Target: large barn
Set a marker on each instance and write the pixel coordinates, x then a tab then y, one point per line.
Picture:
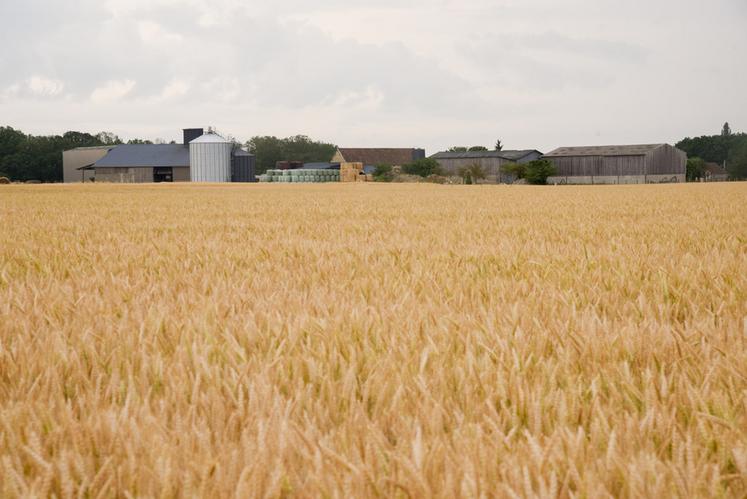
627	164
372	156
490	161
203	157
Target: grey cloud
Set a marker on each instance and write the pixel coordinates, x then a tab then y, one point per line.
536	69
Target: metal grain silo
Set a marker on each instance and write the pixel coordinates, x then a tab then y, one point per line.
210	159
242	166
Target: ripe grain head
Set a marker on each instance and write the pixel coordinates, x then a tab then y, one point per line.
359	340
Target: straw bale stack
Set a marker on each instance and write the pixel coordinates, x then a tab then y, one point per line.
350	172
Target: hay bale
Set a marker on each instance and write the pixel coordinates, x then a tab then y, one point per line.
4	180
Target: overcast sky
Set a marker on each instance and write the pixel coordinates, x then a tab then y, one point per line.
425	73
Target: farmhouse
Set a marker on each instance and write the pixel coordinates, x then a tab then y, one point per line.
376	156
491	162
626	164
715	173
203	157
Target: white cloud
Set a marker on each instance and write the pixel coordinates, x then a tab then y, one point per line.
433	73
175	88
45	87
152	32
112	91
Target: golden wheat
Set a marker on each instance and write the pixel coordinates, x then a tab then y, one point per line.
373	340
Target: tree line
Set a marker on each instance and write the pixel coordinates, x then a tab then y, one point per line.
26	157
726	149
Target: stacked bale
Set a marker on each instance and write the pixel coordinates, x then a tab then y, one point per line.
350	172
300	176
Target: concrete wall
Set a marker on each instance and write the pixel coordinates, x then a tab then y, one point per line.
76	158
621	179
124	175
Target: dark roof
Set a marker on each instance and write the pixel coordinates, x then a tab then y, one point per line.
632	150
715	169
145	155
89	148
320	166
241	152
374	156
509	155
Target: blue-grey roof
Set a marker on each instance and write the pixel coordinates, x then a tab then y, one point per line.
509	155
626	150
145	155
240	152
320	166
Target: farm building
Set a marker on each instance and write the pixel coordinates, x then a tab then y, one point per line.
627	164
715	173
376	156
74	160
203	157
490	161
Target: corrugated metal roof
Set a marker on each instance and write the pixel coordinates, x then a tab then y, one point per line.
509	155
625	150
210	138
145	155
90	148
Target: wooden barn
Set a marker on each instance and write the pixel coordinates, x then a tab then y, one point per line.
627	164
490	161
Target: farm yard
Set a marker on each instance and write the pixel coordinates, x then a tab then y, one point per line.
355	340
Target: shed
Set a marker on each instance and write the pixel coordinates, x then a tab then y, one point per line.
491	162
621	164
144	163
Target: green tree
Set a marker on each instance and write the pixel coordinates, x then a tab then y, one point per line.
383	173
737	163
477	148
108	139
538	170
518	170
472	173
498	145
695	169
423	167
268	150
457	149
712	148
28	157
535	172
726	130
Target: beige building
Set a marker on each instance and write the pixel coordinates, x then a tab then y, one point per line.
75	159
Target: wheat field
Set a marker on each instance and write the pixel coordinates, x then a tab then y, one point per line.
373	340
